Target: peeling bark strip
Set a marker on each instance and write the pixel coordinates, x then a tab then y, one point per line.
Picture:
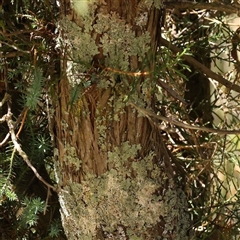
109	156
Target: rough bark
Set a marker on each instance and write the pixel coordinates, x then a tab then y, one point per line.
111	161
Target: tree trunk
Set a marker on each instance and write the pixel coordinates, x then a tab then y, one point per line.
111	161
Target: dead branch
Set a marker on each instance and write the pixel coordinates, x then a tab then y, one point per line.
149	113
215	6
202	68
5	99
23	120
21	152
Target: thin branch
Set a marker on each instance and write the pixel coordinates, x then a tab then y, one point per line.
22	153
4	141
22	116
3	118
15	47
5	99
148	113
23	121
215	6
173	93
166	159
46	202
11	54
21	32
202	68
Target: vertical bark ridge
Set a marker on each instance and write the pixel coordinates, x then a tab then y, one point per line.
81	130
80	127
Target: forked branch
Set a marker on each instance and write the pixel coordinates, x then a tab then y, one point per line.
22	153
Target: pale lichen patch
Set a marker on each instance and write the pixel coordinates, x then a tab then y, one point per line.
102	134
70	157
118	197
175	214
156	3
119	42
127	195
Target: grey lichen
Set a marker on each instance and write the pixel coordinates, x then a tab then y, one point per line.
157	3
119	41
175	214
126	196
81	46
102	130
123	196
70	157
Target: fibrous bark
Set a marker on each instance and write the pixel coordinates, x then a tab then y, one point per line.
110	158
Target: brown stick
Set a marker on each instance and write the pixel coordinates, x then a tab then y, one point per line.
202	68
223	7
23	121
5	99
149	113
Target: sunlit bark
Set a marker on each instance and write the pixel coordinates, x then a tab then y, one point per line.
110	158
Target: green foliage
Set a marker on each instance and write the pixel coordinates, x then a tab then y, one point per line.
31	209
35	89
27	46
6	174
75	94
206	166
55	229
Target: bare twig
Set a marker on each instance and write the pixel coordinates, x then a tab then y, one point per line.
214	6
11	54
5	99
15	33
166	160
4	140
148	113
170	90
22	153
3	119
202	68
47	199
15	47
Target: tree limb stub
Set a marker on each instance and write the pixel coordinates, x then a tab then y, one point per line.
199	66
224	7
